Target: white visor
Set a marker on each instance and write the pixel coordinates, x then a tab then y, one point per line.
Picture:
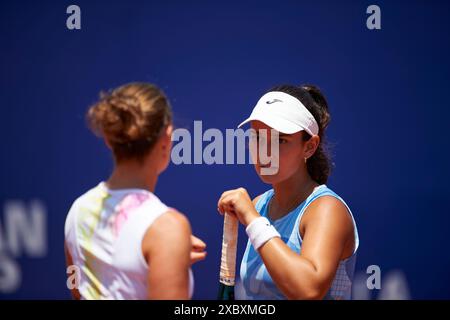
284	113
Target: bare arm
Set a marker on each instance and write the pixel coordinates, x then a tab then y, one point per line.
327	238
166	247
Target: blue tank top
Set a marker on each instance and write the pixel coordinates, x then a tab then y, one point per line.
255	279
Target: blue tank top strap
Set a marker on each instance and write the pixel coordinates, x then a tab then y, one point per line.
262	202
321	191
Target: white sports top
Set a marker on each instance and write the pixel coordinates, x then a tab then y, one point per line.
103	232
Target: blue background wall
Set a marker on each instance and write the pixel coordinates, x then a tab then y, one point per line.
387	89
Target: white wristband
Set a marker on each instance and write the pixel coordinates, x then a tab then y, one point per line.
260	231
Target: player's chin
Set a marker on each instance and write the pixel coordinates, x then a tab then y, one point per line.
268	175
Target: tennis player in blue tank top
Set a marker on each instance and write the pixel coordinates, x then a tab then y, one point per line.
302	236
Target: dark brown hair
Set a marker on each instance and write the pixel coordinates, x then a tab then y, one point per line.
319	165
130	118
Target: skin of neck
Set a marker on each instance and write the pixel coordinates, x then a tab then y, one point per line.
134	174
292	191
142	173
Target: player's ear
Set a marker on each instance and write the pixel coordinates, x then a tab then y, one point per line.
311	146
169	131
167	137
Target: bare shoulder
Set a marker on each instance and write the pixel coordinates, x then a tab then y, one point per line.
329	219
170	230
173	220
329	210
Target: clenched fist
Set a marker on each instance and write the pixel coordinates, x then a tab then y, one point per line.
238	203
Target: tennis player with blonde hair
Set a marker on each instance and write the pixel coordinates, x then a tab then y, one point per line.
302	236
126	243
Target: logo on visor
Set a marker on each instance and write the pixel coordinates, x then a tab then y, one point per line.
273	101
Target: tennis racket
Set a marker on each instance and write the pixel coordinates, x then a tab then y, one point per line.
228	260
